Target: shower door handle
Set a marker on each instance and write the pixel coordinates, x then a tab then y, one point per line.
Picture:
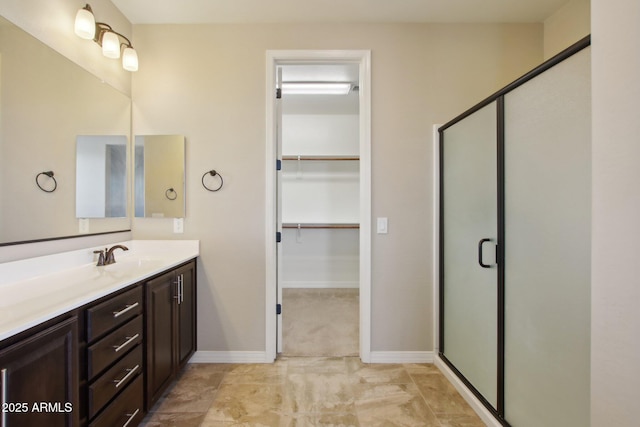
480	244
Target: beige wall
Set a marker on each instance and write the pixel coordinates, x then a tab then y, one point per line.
208	83
164	170
410	93
615	336
51	21
61	112
569	24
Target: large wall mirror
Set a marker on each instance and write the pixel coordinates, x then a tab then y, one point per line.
46	102
159	176
101	176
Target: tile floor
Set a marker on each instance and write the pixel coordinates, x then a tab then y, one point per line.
312	391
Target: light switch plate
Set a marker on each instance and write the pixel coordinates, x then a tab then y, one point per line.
383	226
178	225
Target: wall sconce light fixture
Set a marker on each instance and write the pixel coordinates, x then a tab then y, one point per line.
87	28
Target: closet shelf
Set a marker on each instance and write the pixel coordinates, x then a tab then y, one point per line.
321	158
320	225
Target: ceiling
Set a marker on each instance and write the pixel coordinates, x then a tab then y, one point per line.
336	11
322	11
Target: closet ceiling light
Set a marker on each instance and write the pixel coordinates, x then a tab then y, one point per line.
112	42
316	88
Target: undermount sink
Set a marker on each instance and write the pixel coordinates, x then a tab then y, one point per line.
37	289
137	264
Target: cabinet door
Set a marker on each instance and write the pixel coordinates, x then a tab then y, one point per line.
161	302
186	313
40	378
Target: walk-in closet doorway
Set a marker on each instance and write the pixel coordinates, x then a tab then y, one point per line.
319	263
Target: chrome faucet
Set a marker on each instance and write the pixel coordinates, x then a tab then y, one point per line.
109	257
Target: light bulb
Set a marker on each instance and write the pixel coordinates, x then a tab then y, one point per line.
316	88
85	26
110	45
130	59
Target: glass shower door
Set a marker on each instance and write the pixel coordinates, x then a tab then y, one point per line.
469	230
548	247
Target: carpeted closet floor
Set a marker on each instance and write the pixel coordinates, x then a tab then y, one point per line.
320	322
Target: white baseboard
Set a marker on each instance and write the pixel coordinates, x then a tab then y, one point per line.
299	284
402	357
230	357
261	357
484	414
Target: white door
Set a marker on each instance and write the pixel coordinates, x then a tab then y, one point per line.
278	126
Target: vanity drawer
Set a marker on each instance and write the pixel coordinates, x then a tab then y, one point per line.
114	380
125	410
113	312
112	347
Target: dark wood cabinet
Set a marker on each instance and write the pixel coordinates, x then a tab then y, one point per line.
116	310
39	379
126	410
105	363
114	362
170	327
161	294
187	313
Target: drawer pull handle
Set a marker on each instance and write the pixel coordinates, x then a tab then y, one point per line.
126	308
180	288
117	348
131	417
129	373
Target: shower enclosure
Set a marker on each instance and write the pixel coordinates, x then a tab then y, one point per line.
515	201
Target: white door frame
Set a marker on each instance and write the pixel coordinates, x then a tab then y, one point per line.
363	59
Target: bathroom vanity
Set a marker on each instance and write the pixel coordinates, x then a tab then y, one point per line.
87	345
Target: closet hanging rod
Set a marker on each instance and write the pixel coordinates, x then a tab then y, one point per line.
351	158
319	225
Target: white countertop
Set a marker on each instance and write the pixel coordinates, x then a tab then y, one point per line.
35	290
